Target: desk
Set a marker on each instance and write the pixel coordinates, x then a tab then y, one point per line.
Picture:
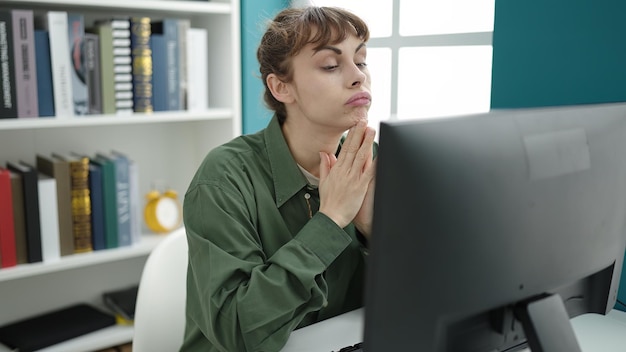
595	333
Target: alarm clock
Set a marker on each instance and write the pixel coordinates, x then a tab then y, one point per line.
163	212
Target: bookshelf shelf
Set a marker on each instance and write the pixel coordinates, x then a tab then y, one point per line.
171	6
103	120
144	247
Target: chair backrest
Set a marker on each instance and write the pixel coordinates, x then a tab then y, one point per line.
160	310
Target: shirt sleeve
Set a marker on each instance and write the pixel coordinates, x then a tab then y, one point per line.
240	298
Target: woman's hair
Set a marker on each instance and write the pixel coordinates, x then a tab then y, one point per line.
294	28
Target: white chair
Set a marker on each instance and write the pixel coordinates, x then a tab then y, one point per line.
160	309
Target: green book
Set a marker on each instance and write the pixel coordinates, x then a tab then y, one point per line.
109	195
105	31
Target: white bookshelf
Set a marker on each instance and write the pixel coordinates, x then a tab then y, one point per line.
80	260
167	146
105	120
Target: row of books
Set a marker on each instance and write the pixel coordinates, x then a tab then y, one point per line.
66	204
56	65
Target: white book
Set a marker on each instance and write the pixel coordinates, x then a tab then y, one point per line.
76	35
49	218
57	27
197	69
135	202
183	27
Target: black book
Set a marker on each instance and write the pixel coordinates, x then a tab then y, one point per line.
122	302
54	327
8	97
30	190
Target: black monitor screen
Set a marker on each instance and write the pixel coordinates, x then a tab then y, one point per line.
490	231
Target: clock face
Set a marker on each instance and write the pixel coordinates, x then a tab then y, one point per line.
167	213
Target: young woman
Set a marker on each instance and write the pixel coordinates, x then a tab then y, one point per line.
277	221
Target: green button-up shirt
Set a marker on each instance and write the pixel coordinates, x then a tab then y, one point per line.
260	263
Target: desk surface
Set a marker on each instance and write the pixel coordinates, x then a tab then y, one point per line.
595	333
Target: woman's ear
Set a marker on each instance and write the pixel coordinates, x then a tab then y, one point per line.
279	89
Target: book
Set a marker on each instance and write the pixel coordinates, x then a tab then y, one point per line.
54	327
30	191
123	180
49	218
183	28
81	201
109	195
168	27
91	54
76	35
197	69
56	23
45	92
122	191
159	72
60	170
122	302
141	63
25	68
122	65
98	236
7	228
104	30
8	105
136	218
19	219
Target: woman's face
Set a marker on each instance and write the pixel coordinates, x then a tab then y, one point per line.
331	85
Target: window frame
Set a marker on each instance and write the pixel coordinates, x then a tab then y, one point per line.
396	41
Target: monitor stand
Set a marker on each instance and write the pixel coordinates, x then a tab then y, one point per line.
547	325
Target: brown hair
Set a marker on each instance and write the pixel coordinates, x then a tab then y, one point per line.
294	28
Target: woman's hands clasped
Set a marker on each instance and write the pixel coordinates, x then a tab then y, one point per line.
347	181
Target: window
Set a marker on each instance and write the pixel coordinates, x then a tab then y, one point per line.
427	58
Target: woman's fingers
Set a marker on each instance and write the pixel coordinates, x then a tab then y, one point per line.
352	144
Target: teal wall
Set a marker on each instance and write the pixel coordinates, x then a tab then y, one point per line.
254	15
559	52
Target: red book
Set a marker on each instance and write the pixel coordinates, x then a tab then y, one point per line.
7	229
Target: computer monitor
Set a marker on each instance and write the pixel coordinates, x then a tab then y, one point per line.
490	231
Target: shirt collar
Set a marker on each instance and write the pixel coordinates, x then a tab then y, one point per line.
288	179
313	180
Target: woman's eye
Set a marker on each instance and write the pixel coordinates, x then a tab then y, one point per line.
361	64
330	67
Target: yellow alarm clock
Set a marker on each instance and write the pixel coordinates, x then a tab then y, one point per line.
163	212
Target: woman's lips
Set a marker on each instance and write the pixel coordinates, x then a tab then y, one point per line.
359	99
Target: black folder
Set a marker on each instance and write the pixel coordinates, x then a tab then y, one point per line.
54	327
